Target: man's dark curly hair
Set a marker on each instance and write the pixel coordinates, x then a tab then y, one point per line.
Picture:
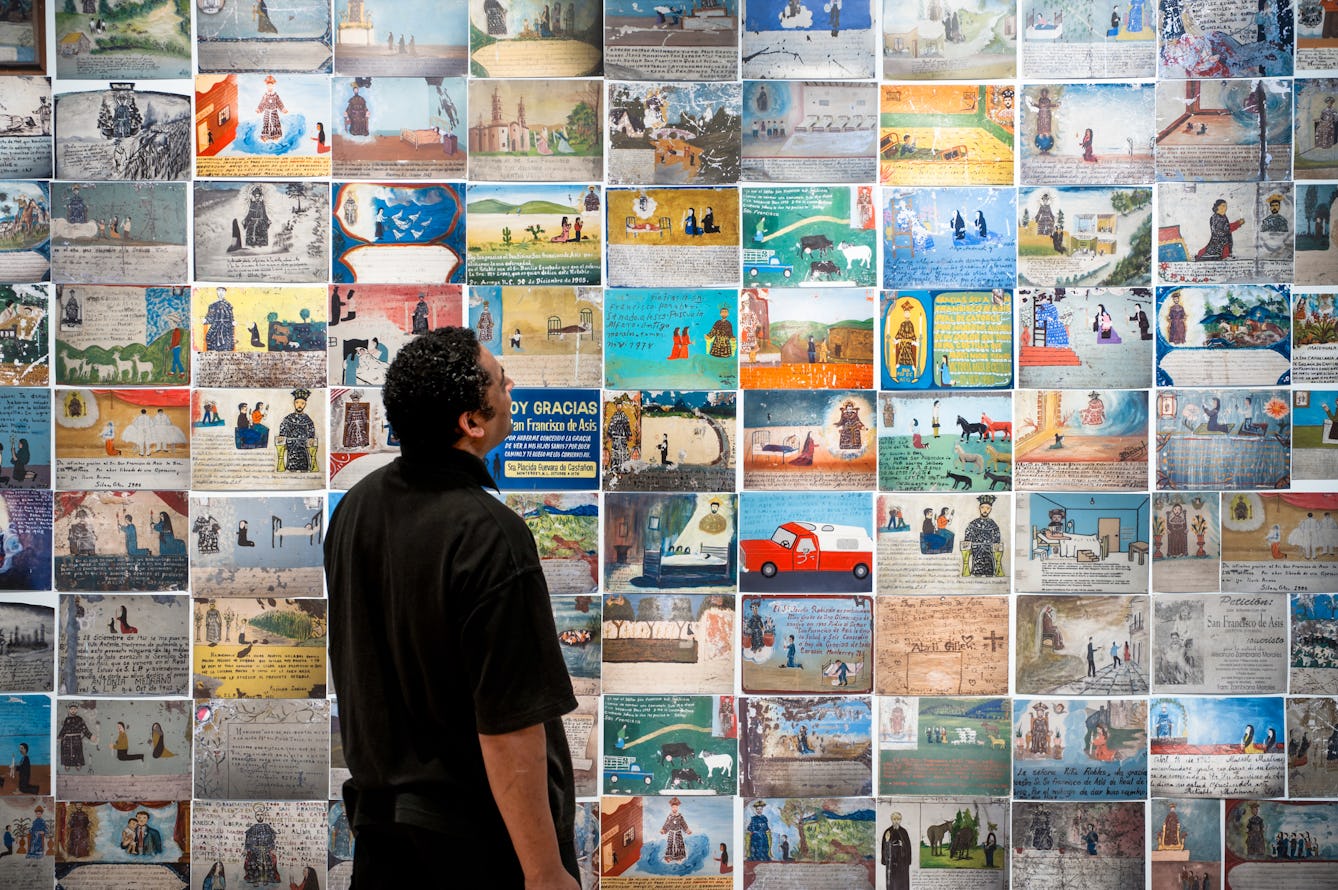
433	380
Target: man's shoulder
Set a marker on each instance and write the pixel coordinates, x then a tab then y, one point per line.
456	505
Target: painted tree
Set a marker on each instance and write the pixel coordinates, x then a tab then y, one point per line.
648	609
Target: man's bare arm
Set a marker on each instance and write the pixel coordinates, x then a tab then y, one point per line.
517	765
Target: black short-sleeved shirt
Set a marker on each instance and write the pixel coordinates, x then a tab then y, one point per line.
441	629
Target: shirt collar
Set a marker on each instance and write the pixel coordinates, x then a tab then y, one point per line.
442	463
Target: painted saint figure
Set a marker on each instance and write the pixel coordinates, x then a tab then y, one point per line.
73	732
851	427
759	834
264	24
355	114
1044	107
675	826
256	221
1177	329
270	107
260	864
720	338
219	326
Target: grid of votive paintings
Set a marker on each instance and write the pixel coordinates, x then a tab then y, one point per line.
926	419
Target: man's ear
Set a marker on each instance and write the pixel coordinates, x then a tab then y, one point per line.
469	425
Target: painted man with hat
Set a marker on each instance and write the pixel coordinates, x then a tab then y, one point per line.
297	433
982	538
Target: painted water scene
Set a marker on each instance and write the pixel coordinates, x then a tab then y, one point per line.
1225	129
532	234
1062	39
1200	38
400	127
950	237
238	36
1057	350
399	39
398	234
671	133
812	338
528	39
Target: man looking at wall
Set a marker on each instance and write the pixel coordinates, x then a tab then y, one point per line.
443	648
